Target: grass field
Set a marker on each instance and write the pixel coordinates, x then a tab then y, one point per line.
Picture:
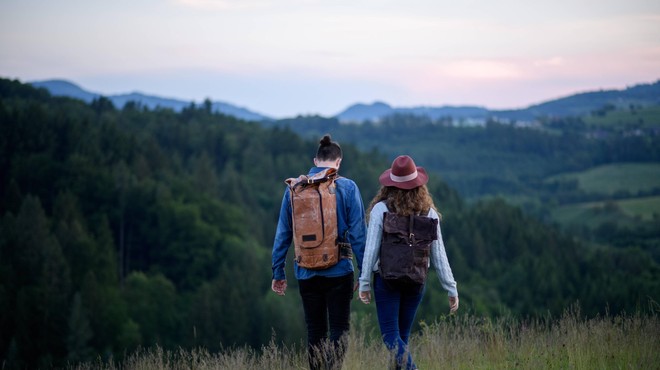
646	208
643	117
457	342
613	178
609	180
622	212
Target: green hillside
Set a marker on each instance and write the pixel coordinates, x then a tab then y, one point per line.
625	212
583	104
642	117
646	208
610	179
136	228
560	170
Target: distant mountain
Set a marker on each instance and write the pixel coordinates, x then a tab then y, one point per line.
373	112
573	105
585	103
66	88
363	112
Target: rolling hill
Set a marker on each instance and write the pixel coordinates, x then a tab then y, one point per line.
573	105
579	104
66	88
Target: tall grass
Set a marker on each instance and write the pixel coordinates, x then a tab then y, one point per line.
453	342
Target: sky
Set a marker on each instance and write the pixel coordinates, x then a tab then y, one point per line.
283	58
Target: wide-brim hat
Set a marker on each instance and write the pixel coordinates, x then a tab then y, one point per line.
404	174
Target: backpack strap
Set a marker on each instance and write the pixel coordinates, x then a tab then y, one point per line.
325	175
411	234
322	176
345	250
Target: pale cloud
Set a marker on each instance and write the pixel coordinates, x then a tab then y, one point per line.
242	5
550	62
481	70
431	51
223	4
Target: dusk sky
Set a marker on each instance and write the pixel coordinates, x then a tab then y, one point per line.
287	57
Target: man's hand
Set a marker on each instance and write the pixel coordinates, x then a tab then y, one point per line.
453	304
365	296
278	286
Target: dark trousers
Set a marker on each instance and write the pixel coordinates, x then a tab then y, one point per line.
327	305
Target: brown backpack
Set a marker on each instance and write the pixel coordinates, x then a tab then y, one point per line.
314	216
406	247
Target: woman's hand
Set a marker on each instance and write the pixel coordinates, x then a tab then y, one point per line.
453	304
365	296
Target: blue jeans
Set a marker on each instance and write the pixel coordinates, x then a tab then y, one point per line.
396	307
327	305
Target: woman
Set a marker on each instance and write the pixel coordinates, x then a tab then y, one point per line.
403	193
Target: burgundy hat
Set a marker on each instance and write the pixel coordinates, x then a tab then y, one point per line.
404	174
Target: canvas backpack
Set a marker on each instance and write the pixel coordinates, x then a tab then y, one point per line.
406	247
314	217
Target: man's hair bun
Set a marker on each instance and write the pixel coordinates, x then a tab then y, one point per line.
326	140
328	149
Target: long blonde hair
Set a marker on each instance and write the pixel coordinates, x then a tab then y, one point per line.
405	202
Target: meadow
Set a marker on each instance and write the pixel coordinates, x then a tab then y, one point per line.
626	212
620	185
646	208
638	117
131	228
615	178
453	342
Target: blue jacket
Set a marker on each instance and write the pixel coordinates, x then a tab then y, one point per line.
350	217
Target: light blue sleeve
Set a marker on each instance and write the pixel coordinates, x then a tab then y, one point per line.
372	245
440	261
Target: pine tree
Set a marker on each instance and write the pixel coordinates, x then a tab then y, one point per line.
80	332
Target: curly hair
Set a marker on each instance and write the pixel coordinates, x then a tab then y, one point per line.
405	202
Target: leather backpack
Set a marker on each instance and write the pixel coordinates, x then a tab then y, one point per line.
314	217
405	248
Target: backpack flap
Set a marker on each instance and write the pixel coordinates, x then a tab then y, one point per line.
395	226
426	228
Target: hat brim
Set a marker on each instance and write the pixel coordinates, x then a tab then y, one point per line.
421	179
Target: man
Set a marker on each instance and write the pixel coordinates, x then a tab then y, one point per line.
326	293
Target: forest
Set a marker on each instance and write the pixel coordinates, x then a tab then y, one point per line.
134	227
595	176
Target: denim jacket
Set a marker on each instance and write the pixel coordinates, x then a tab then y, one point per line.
350	217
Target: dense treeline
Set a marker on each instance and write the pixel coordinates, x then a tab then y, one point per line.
136	227
496	158
519	162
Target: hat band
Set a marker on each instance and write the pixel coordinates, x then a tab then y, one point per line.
395	178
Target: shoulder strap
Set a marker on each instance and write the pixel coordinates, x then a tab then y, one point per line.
325	175
411	234
322	176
